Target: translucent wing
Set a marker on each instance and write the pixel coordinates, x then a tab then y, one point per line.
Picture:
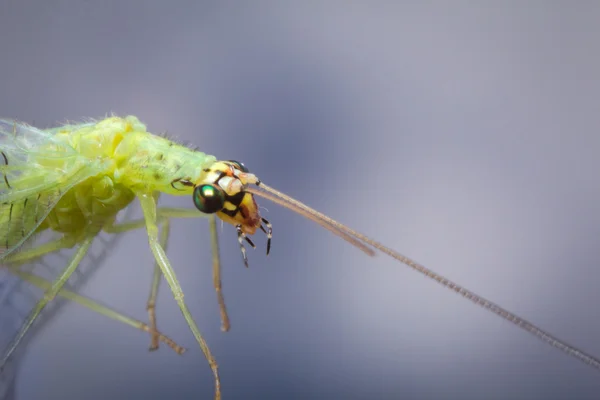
36	168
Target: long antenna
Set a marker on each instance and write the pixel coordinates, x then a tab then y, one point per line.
354	237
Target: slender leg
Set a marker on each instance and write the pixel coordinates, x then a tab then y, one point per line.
92	305
151	304
163	216
150	214
39	251
16	260
216	261
125	226
49	295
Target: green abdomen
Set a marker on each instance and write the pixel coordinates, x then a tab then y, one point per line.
89	205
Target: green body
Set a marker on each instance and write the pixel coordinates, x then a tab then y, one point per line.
74	179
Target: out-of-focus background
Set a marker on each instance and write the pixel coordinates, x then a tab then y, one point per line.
464	135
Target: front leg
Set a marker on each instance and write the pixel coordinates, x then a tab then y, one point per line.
148	203
151	304
163	217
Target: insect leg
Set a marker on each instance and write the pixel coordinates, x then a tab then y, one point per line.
148	204
151	304
39	251
49	295
92	305
216	261
163	216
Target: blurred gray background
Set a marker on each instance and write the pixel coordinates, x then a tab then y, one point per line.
465	136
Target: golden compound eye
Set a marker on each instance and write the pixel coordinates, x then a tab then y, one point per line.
239	165
208	198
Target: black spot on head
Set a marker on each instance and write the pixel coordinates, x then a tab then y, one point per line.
159	156
230	213
236	199
157	176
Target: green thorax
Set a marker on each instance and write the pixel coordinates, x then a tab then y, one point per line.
131	161
138	159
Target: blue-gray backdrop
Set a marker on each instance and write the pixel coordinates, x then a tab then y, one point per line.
464	135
